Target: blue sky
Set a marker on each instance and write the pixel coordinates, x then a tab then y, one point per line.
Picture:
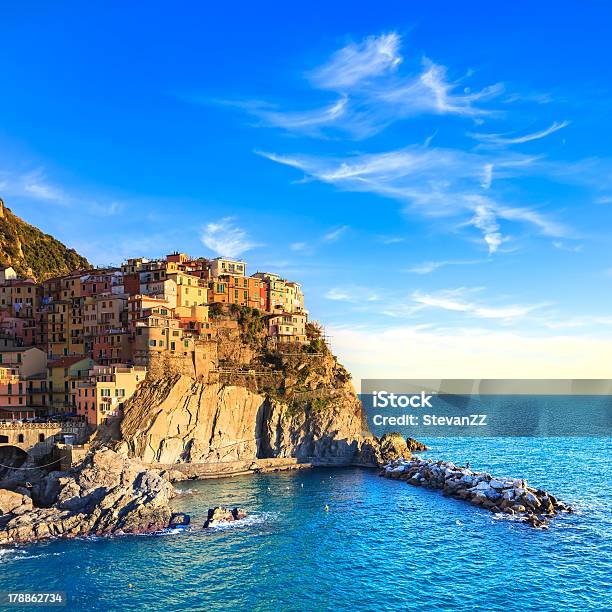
439	177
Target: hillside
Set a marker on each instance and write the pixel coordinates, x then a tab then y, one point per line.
33	253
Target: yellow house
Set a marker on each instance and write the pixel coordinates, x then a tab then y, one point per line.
190	290
103	395
63	376
28	361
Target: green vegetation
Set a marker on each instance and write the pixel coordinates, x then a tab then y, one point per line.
251	321
33	253
215	310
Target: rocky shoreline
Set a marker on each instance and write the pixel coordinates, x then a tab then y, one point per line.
511	496
107	494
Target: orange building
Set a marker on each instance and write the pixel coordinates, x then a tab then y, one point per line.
240	290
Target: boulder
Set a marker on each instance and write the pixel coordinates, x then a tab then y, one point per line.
11	501
179	519
415	446
220	516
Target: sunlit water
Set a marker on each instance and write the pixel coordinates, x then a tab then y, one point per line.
383	545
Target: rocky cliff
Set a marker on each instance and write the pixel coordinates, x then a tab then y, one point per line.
33	253
295	402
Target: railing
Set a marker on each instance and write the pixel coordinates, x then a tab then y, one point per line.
18	425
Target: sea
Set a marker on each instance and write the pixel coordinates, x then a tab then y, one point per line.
347	539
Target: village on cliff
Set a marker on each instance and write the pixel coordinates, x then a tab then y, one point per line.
78	346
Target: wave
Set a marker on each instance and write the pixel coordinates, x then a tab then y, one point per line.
252	519
22	554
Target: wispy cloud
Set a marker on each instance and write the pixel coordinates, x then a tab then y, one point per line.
336	234
428	267
35	185
356	62
486	221
391	239
372	92
352	293
455	300
502	139
563	246
226	239
436	183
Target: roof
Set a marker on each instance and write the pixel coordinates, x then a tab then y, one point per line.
66	362
18	349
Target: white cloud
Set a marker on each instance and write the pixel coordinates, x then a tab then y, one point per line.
307	121
356	62
352	293
42	191
391	239
487	176
431	92
36	186
436	183
337	294
336	234
226	239
428	267
486	221
298	246
501	139
454	300
562	246
373	94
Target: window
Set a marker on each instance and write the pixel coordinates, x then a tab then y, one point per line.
41	437
20	438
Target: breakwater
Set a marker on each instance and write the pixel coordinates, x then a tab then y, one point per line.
512	496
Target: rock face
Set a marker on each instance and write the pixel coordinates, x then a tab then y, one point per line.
220	516
106	494
180	419
511	496
252	401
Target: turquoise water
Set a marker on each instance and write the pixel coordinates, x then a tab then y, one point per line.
383	545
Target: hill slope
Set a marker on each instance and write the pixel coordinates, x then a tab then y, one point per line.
33	253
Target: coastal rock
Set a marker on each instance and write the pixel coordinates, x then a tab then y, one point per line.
497	494
414	446
220	516
179	519
393	446
106	494
11	502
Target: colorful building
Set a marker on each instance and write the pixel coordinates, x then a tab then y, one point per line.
221	265
63	375
232	289
288	327
105	391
